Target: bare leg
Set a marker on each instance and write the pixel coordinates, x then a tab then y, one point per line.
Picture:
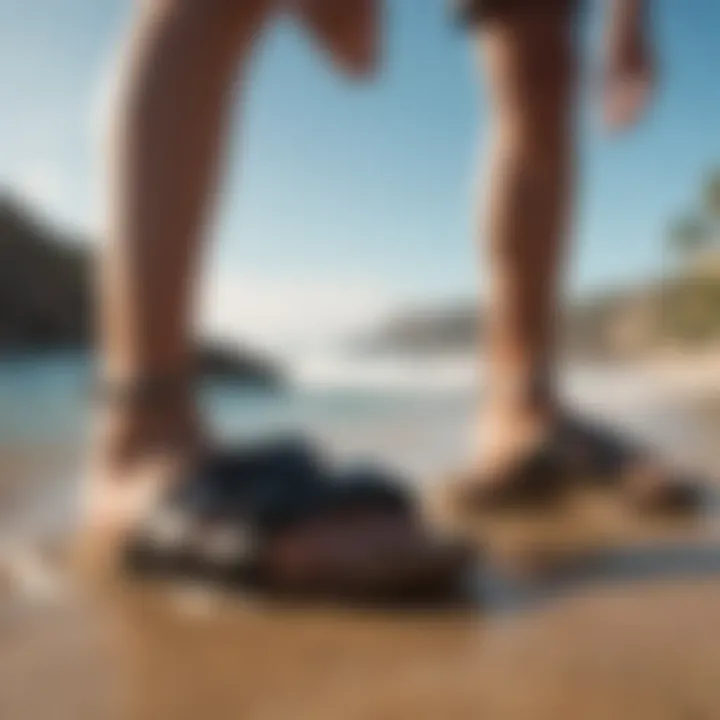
528	442
169	125
530	65
177	83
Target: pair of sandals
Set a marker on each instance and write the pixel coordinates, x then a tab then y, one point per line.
573	454
258	516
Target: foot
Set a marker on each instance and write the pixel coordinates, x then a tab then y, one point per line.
138	451
519	464
529	460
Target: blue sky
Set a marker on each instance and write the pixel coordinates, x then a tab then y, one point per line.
348	196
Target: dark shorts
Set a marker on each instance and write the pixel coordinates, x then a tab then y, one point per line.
470	13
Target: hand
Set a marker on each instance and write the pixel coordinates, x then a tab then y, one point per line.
629	80
348	29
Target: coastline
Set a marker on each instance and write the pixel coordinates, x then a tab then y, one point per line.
693	375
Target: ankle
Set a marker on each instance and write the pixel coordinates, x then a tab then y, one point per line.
508	414
507	427
125	436
522	390
146	416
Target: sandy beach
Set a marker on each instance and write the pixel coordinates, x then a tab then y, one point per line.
587	612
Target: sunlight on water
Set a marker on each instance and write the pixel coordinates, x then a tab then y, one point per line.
49	397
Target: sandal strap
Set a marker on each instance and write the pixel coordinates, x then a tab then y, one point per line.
144	391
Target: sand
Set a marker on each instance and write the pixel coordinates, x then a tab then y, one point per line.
588	613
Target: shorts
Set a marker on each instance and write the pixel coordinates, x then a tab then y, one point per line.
471	13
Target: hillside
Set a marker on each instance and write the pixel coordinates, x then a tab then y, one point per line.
680	312
46	304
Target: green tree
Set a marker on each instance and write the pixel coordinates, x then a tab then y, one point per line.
691	298
688	236
711	207
711	195
699	229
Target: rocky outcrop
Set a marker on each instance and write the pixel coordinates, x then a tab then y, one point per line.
682	311
44	290
46	303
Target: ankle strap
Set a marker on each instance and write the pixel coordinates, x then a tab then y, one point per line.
148	391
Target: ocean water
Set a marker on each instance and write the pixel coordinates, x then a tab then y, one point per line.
415	417
46	413
48	400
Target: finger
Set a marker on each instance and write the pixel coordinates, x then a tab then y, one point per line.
626	102
348	30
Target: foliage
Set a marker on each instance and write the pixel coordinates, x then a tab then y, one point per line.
691	301
699	230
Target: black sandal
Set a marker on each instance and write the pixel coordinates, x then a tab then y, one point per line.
606	458
221	519
536	479
219	522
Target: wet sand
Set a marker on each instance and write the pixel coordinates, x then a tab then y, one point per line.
586	613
